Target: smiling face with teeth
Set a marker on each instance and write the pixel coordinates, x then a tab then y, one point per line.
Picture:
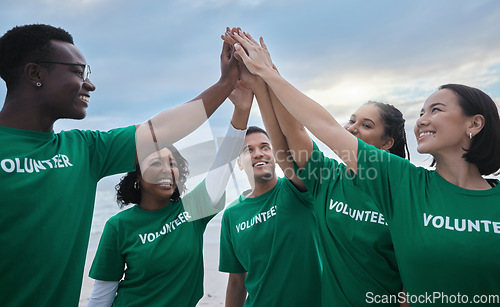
442	128
256	158
63	89
159	178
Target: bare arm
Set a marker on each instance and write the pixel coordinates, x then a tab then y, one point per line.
279	143
236	292
171	125
298	139
307	111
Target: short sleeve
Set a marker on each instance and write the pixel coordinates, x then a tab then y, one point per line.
319	170
112	152
228	262
305	198
380	175
108	264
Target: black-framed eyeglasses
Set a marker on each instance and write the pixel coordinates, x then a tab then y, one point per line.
86	67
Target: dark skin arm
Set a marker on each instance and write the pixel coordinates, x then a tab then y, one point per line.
236	292
173	124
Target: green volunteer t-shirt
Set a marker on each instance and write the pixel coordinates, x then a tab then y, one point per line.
446	238
273	237
157	253
48	184
355	243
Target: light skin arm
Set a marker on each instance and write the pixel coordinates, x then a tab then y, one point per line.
236	292
279	143
173	124
242	98
298	139
307	111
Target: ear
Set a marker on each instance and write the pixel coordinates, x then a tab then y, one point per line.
239	164
389	142
33	73
476	124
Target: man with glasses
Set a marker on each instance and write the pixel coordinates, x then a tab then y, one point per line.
48	180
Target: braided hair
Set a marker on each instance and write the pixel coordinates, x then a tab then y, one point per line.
394	127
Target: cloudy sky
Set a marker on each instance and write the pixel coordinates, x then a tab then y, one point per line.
147	56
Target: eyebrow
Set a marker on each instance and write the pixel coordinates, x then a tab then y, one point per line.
433	105
366	118
263	143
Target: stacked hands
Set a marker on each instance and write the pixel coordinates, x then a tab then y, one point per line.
254	59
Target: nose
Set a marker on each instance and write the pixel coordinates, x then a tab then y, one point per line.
422	121
257	152
353	129
89	85
166	168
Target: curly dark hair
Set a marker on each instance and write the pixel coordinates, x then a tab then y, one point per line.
126	193
25	44
394	127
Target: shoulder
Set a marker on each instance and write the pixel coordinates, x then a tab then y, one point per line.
130	130
123	214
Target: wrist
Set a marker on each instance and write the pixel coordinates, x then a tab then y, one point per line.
242	109
266	73
227	81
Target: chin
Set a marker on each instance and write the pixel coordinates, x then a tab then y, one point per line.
265	177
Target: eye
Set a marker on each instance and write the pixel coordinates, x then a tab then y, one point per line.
435	109
156	163
173	164
368	126
350	121
266	147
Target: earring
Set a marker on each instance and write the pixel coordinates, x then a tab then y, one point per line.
470	135
38	84
136	185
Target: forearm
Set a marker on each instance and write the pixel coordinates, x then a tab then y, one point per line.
173	124
280	147
278	140
313	116
215	95
299	142
236	292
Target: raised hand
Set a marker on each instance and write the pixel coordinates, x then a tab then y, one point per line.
242	96
230	40
256	57
229	67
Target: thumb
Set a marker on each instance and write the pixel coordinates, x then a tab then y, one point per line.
242	53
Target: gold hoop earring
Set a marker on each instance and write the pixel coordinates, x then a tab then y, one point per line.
136	185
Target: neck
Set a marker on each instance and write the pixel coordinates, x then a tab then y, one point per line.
17	114
152	204
461	173
262	186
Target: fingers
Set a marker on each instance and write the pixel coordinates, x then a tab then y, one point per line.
262	43
249	37
242	53
226	51
243	40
